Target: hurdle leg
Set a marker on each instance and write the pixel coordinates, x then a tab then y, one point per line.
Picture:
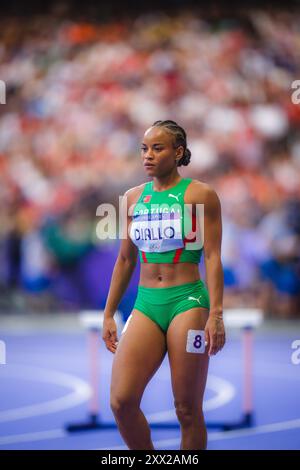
93	346
248	376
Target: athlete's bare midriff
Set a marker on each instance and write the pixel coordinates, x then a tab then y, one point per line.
167	274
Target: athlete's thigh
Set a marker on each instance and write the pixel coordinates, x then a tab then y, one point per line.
188	369
140	352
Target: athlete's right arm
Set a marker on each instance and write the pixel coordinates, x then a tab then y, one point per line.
123	269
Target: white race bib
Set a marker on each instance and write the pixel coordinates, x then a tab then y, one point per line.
157	232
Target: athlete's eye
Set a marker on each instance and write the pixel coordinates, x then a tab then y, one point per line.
144	149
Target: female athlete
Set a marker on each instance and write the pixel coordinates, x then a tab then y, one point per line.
174	312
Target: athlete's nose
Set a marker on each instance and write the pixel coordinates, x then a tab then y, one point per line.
148	160
148	157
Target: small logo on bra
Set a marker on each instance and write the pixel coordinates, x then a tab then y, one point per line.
173	195
147	198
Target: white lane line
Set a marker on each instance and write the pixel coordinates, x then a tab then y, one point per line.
215	436
33	436
223	389
262	429
80	391
219	436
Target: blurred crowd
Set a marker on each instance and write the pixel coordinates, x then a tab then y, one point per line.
80	95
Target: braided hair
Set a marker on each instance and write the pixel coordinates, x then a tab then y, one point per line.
180	139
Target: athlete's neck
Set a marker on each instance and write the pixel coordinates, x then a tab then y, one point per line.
166	182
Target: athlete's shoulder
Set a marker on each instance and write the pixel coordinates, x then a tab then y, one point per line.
135	191
132	195
200	192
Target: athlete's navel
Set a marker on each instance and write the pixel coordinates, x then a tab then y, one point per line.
160	278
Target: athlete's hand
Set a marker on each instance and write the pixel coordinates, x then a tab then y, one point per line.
214	333
109	334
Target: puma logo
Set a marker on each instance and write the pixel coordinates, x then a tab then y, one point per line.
195	298
173	195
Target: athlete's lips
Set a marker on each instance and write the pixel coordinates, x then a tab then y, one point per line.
148	165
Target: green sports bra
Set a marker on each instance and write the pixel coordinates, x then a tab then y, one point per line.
163	227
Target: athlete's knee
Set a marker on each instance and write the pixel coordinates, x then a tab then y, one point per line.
187	413
123	405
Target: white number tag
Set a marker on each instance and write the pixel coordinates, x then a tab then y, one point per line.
195	341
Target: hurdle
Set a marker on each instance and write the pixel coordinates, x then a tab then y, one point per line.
244	319
92	321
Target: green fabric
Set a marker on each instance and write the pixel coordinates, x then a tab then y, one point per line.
162	198
162	304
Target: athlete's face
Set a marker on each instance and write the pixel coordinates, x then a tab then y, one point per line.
158	152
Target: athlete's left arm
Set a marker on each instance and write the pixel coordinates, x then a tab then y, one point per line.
214	330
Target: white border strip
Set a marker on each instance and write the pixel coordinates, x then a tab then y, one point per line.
80	391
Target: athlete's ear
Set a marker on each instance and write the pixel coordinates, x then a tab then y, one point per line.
179	153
